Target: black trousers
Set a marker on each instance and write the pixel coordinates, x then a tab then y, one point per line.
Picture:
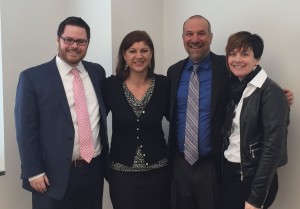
195	187
235	191
85	189
140	190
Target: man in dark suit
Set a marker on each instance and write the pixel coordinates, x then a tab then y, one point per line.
197	185
56	167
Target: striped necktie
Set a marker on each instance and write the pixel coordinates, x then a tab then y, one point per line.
192	119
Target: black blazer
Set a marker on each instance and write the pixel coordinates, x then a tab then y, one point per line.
219	99
44	127
128	131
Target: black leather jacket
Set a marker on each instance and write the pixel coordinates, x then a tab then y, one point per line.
263	131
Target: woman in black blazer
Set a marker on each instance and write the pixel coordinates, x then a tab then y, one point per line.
138	101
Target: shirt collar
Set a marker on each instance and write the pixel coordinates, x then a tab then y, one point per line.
259	79
65	68
205	63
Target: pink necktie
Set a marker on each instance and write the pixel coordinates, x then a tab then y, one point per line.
83	118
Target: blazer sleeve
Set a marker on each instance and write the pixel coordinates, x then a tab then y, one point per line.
27	128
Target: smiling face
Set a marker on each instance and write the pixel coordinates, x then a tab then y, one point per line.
197	38
72	54
241	62
138	57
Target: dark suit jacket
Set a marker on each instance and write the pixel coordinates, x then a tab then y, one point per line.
219	99
45	131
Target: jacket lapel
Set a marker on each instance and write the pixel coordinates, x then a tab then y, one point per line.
175	79
217	79
55	79
96	81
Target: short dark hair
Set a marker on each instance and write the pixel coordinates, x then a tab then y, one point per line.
75	21
245	40
128	41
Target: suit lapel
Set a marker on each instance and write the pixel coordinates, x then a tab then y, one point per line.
55	79
217	79
175	79
96	81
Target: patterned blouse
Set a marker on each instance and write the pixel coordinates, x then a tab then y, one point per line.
138	106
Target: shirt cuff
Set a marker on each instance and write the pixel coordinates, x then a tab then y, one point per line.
35	177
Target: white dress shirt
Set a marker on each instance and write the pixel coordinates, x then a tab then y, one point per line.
92	103
233	153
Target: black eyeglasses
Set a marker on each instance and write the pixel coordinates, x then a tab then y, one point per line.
70	41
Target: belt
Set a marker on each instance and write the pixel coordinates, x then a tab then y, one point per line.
78	163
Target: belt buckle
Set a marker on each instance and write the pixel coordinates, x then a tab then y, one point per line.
77	165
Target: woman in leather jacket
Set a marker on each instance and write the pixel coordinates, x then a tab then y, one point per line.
255	130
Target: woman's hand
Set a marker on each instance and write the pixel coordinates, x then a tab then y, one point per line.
248	206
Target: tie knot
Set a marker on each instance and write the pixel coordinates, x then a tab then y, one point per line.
195	68
75	72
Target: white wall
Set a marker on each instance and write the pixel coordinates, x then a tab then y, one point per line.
2	161
29	38
278	23
132	15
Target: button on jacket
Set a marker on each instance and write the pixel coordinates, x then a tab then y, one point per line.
132	132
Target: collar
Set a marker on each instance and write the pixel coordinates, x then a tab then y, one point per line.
65	68
205	63
259	79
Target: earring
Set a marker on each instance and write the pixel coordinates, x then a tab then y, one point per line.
126	67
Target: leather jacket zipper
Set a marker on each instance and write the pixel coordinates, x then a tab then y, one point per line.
252	149
253	152
265	199
241	172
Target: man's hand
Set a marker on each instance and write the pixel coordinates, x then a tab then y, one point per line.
40	184
248	206
289	96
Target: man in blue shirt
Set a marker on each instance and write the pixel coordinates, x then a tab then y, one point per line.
197	185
